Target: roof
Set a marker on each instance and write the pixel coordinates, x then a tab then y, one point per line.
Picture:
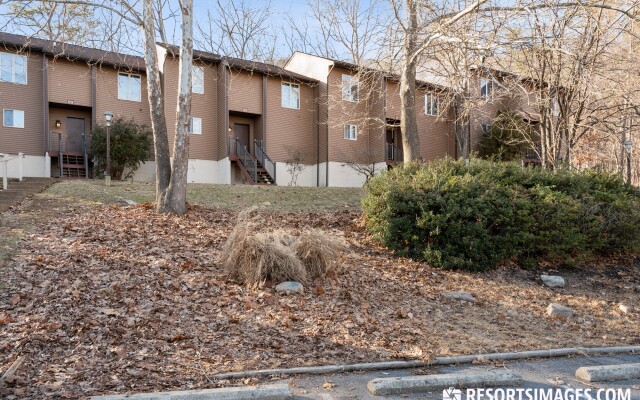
358	68
246	65
72	52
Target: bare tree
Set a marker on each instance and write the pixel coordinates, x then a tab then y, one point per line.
240	29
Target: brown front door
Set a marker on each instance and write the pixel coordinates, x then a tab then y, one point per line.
75	129
241	132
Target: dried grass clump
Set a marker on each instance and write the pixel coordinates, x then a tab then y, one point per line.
253	258
317	251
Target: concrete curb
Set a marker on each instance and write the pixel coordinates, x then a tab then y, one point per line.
429	383
269	392
603	373
331	369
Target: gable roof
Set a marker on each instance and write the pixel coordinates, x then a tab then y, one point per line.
245	65
357	68
71	52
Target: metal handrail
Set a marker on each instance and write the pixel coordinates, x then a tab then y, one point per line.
250	163
267	163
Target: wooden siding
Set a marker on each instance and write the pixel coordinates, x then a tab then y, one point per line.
70	83
245	91
289	130
203	146
29	140
107	99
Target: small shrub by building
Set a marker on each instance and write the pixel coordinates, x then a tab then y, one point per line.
475	217
131	145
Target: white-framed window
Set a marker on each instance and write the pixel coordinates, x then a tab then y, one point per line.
13	118
129	87
486	128
351	132
13	68
486	87
349	88
195	126
290	95
197	80
431	103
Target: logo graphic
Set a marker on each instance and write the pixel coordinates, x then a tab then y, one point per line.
452	394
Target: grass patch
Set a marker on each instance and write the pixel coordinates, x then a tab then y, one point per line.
237	197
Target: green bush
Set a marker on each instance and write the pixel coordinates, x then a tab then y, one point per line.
131	145
475	217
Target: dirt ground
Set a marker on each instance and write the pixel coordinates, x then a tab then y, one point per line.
113	298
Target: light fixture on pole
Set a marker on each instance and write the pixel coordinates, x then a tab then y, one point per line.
628	148
108	115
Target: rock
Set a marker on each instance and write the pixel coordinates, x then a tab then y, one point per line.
625	309
552	280
462	296
555	310
266	203
290	287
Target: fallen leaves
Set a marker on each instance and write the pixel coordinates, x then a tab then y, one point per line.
121	299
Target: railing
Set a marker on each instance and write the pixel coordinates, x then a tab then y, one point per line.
231	146
394	153
250	163
264	159
4	160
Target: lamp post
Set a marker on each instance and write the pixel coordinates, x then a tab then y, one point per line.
107	173
628	147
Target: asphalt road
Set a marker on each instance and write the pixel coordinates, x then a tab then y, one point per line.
552	373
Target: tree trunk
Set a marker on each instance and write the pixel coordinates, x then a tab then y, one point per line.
175	198
156	103
408	121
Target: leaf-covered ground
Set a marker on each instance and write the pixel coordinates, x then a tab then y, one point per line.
113	299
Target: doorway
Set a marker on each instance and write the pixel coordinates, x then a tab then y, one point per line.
75	130
241	132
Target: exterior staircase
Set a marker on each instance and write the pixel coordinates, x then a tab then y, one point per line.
73	166
258	169
18	191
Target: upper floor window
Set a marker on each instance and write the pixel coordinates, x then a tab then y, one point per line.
129	87
351	132
13	118
290	95
431	104
197	84
349	88
486	87
13	68
195	126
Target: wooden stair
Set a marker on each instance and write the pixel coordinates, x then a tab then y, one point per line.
18	191
73	165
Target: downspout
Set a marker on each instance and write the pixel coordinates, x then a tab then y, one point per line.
327	121
264	113
45	101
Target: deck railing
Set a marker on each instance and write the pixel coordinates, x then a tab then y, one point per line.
394	153
250	163
267	163
4	161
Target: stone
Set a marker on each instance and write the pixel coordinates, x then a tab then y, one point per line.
462	296
290	287
624	308
555	310
552	280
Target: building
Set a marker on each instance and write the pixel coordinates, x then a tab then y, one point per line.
315	122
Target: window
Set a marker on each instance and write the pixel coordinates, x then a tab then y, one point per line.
351	132
486	87
486	128
290	95
431	104
129	87
195	126
349	88
197	80
13	68
13	118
